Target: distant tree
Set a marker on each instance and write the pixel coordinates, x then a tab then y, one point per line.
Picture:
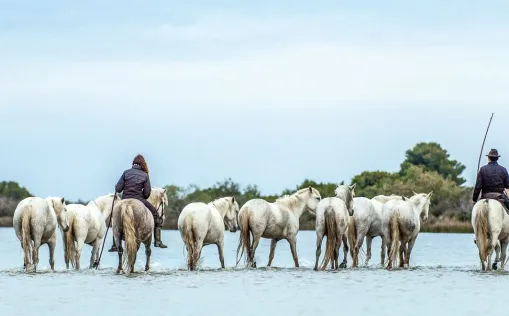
432	157
13	190
370	183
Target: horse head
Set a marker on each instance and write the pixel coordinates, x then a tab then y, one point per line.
314	199
60	208
346	193
159	199
232	214
420	202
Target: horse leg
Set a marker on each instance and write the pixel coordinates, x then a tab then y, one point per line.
319	239
197	254
383	250
402	253
120	251
51	245
493	242
497	257
336	253
148	253
408	251
256	241
369	239
503	249
79	248
358	245
95	253
273	244
293	248
220	247
345	252
35	253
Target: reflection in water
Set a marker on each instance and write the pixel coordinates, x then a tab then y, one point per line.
444	279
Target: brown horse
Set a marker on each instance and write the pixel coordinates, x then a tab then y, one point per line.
134	223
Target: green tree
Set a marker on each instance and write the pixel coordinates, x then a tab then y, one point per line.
13	190
432	157
370	183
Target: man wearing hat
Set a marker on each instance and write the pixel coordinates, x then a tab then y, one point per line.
492	180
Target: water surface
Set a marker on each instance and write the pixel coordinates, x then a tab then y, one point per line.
444	280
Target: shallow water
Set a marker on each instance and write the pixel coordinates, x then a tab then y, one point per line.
444	279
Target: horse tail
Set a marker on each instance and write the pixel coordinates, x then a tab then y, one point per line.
69	245
189	241
244	238
131	243
482	229
332	236
395	234
352	235
26	235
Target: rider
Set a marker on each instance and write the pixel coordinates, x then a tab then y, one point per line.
135	184
492	178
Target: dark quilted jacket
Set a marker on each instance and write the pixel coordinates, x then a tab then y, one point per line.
492	178
135	183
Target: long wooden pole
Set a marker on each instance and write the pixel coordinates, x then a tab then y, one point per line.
482	147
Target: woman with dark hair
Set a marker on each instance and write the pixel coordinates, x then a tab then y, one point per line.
135	184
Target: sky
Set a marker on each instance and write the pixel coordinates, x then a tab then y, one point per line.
265	93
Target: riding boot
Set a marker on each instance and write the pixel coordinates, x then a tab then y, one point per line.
506	203
157	238
113	247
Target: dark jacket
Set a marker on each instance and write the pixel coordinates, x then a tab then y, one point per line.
135	183
492	178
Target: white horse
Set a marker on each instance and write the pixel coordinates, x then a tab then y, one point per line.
35	221
157	198
105	205
86	226
202	224
491	226
367	223
275	221
401	224
332	221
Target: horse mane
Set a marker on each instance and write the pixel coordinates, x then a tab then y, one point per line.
155	196
348	196
221	202
387	198
291	200
417	197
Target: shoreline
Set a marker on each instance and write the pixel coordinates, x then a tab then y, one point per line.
435	225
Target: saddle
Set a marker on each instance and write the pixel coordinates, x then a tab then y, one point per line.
497	197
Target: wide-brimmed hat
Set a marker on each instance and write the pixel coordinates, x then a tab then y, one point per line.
493	153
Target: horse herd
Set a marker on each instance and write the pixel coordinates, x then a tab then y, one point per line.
344	219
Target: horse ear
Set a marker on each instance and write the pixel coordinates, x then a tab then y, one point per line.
233	199
430	194
415	193
405	198
353	186
63	200
164	190
310	190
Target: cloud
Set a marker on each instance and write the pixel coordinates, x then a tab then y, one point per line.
306	60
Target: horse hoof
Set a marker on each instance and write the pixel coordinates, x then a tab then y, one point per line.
494	266
342	265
